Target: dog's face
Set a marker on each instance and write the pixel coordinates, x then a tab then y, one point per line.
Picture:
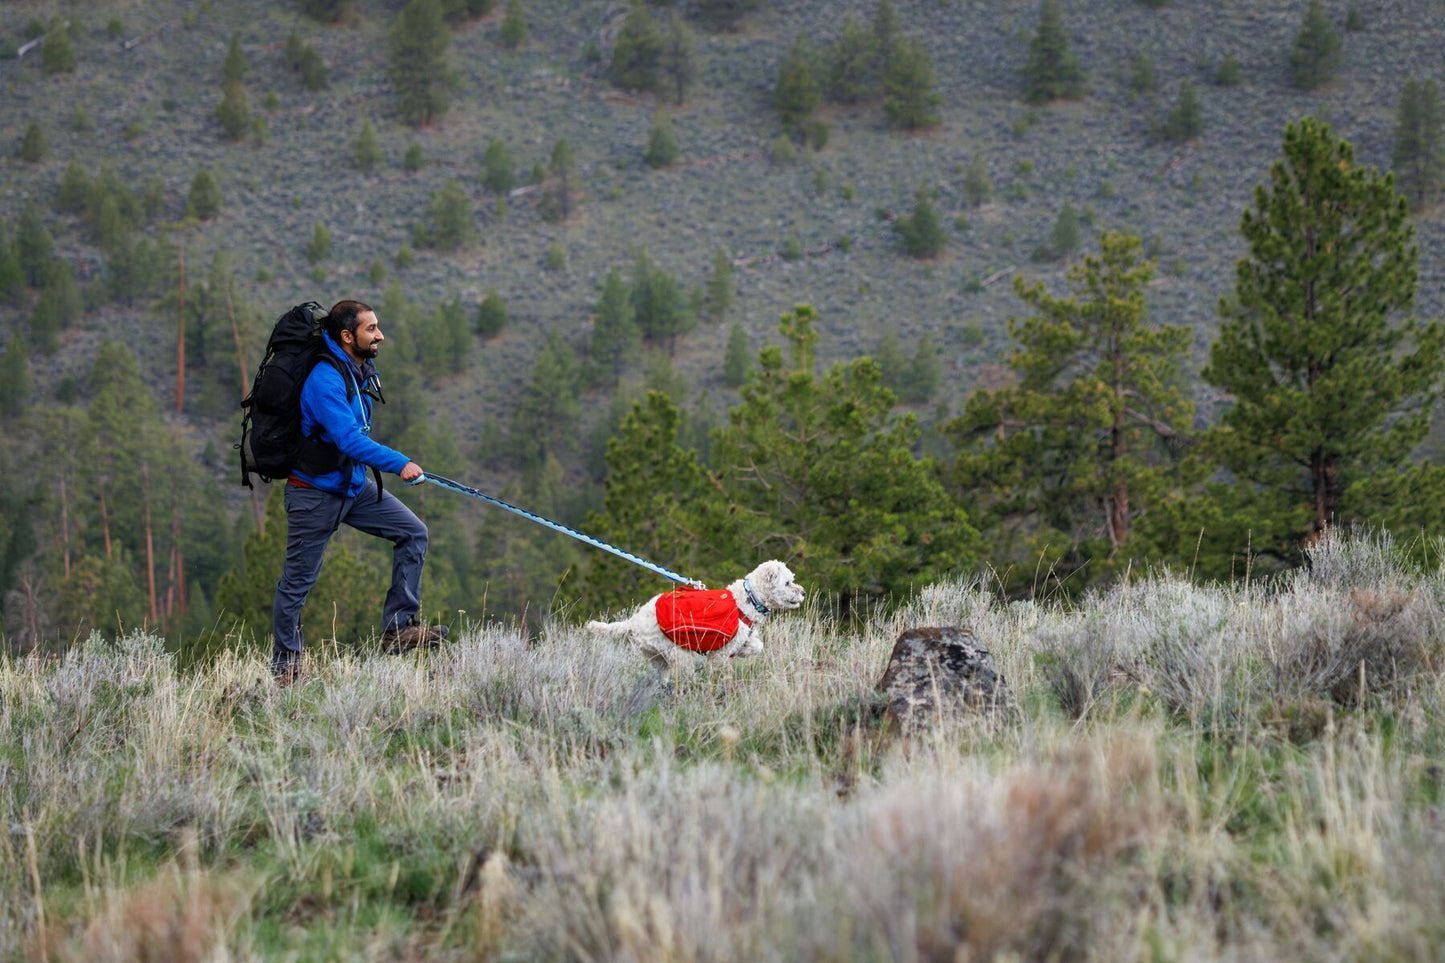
773	581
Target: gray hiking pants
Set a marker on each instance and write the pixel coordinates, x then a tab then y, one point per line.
312	517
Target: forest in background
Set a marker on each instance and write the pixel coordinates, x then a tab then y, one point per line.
1001	240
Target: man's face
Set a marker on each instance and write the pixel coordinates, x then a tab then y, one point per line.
367	338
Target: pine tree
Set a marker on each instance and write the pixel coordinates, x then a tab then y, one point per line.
661	142
1419	154
886	33
14	377
57	307
797	93
822	468
1333	381
204	200
33	146
909	97
514	25
650	494
233	70
12	278
977	187
234	112
892	365
1052	72
1065	238
657	302
725	14
557	189
418	65
56	54
1186	119
737	357
677	62
497	173
326	11
73	194
1143	79
925	373
366	152
721	286
852	62
460	11
491	314
1317	50
312	68
549	404
615	334
637	56
451	223
34	247
1079	451
921	233
320	247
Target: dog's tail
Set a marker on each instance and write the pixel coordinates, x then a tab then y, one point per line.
607	628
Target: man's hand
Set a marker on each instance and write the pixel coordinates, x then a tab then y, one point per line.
411	472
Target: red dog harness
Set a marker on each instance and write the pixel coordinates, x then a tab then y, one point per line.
699	620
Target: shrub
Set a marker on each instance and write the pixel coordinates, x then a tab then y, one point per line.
1317	50
33	147
204	200
1230	72
922	233
450	223
491	314
514	25
320	247
497	166
414	158
1142	77
234	113
56	54
367	150
1186	119
661	142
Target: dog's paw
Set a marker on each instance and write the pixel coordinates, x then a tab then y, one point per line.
750	648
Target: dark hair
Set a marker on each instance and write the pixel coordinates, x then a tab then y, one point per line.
344	316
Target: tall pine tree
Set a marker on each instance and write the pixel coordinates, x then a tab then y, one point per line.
1419	156
1332	378
418	66
1052	72
1080	450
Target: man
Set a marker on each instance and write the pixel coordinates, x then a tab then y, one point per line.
330	485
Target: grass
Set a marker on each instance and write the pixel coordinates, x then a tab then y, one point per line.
1187	778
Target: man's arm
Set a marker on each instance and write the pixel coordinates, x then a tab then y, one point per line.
324	404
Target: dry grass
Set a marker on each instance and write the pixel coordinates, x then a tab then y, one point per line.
1197	773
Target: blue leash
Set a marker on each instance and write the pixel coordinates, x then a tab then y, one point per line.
460	489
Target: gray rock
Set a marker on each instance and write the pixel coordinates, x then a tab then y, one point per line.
941	673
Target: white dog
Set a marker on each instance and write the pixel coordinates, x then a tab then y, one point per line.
722	622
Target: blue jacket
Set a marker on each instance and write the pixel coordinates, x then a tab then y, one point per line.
324	406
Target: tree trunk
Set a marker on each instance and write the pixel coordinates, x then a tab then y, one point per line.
181	331
64	529
104	520
145	478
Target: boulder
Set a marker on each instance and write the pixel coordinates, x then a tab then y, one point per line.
941	673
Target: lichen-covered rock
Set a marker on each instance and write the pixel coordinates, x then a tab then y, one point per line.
939	673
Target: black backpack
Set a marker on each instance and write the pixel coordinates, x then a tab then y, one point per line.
271	441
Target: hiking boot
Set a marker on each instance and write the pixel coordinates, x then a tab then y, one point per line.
413	635
286	674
